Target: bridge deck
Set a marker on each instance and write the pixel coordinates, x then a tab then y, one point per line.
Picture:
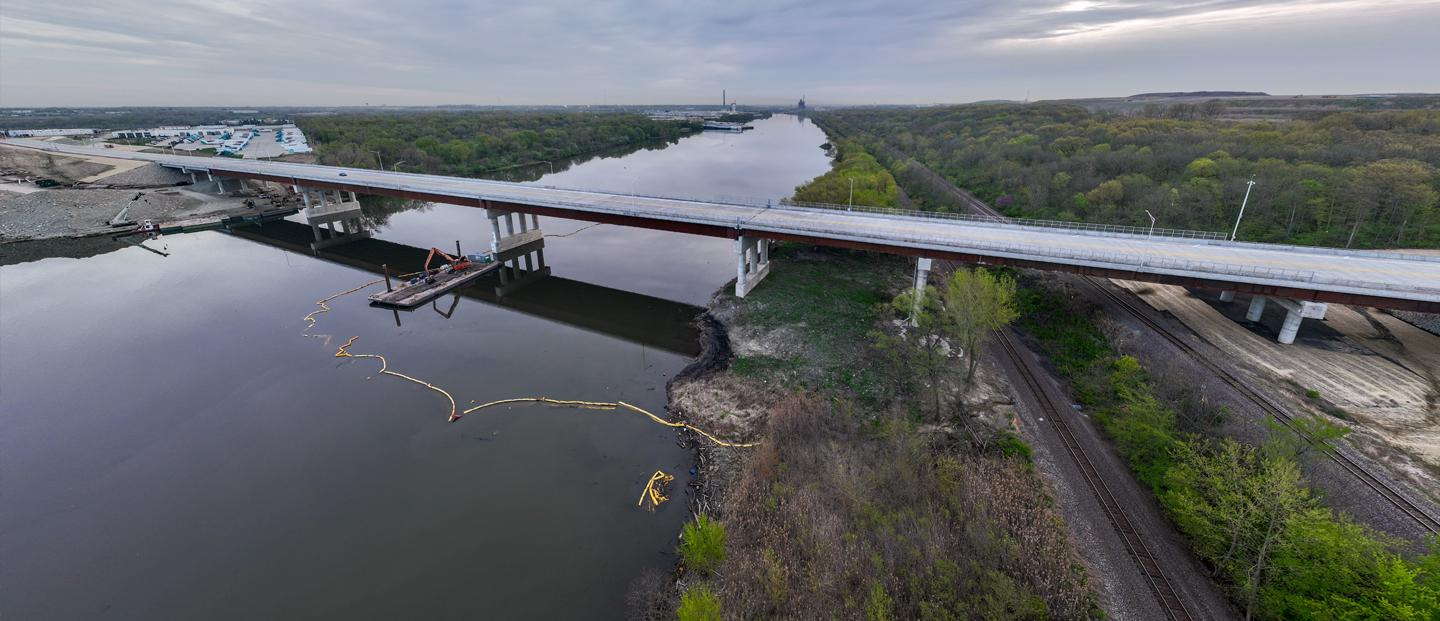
1376	278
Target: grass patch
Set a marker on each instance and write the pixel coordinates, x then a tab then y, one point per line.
829	301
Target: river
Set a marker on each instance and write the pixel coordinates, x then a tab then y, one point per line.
173	445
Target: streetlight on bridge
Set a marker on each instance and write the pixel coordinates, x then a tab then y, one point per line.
379	159
1248	185
1152	223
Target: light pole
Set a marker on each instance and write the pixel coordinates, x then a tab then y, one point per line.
396	165
1152	223
552	165
852	195
1248	185
379	159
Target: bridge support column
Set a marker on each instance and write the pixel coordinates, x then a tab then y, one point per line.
529	225
521	242
1227	296
922	274
1257	308
322	215
753	263
1295	311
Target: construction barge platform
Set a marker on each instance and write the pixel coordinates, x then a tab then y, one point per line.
432	284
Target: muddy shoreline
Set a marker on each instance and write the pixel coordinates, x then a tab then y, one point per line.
715	354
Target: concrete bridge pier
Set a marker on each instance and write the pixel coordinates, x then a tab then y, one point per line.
324	209
1257	308
1295	312
753	264
519	229
922	275
516	240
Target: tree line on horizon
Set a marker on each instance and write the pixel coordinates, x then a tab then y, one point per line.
476	143
1358	179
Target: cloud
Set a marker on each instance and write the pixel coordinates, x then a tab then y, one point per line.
327	52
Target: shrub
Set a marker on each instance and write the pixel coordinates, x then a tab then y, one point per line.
699	604
703	544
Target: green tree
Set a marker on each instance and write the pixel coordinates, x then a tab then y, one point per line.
977	303
921	351
702	544
1238	505
699	603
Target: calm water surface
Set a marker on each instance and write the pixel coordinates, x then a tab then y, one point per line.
173	447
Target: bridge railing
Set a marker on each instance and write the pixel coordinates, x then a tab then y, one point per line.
749	201
1193	268
1120	229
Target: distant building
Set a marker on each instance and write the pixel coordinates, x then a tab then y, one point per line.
43	133
801	105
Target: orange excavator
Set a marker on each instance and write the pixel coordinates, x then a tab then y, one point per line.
452	263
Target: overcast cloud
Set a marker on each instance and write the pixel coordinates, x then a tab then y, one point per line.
272	52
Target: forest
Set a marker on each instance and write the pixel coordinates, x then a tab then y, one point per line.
1348	179
476	143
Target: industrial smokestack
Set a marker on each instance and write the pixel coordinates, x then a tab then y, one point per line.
722	98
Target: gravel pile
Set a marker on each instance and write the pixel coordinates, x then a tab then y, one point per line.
66	213
149	175
1428	322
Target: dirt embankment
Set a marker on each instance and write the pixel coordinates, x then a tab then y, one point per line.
15	162
89	192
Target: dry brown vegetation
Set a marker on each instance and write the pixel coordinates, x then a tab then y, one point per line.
837	518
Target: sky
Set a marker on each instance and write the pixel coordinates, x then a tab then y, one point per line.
433	52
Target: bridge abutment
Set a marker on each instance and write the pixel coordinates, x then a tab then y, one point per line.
753	263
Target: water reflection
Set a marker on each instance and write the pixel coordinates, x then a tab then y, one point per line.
173	449
638	318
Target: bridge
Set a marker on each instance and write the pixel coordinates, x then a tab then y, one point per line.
1301	279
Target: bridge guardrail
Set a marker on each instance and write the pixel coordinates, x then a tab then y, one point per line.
1038	252
742	201
1127	260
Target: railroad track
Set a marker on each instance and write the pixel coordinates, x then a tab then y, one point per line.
1384	489
1134	544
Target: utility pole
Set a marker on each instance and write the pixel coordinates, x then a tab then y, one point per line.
1152	223
378	159
1248	185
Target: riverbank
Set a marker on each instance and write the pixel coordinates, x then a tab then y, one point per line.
855	466
90	192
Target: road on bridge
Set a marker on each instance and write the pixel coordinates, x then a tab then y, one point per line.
1383	279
